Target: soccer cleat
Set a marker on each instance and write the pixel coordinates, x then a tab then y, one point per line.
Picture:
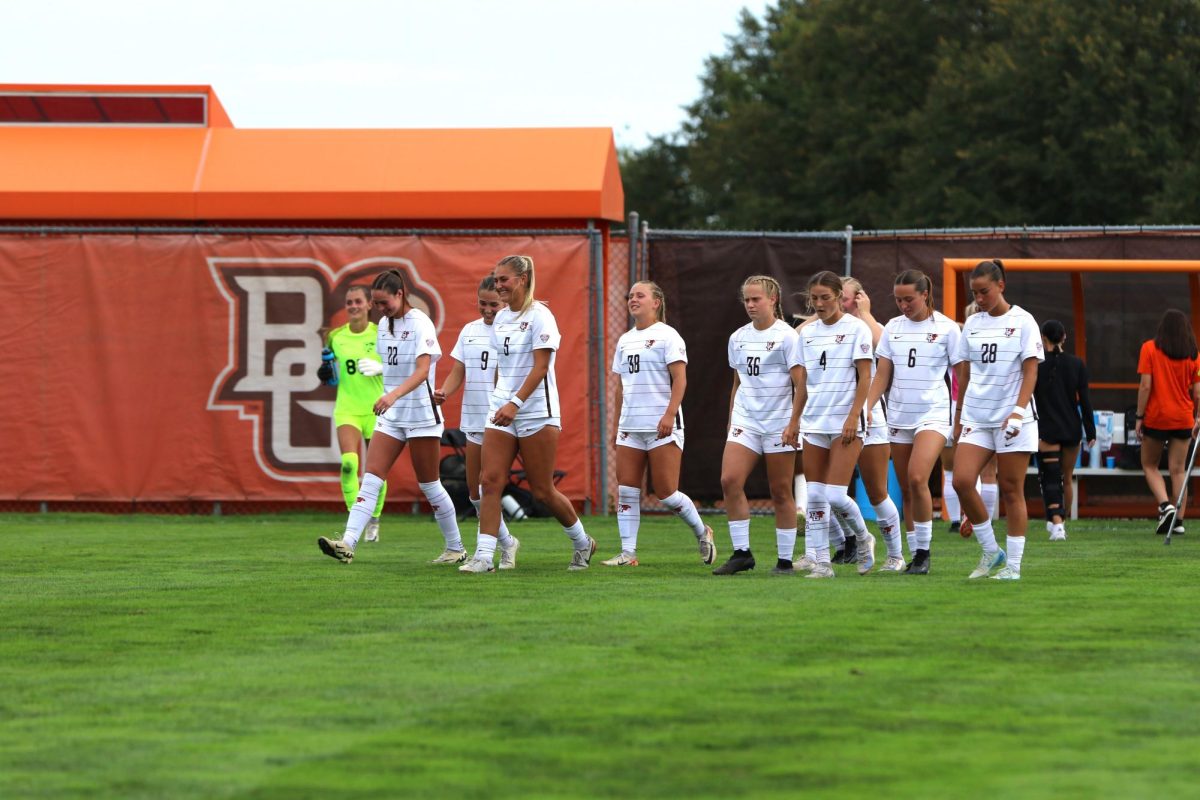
954	526
783	567
920	563
839	557
1166	514
866	555
508	555
582	558
894	564
708	548
966	528
1176	531
740	561
624	559
805	564
451	557
372	531
1007	574
988	562
851	550
821	570
1058	534
336	548
477	565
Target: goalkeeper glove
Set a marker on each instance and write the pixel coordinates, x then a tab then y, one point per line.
370	367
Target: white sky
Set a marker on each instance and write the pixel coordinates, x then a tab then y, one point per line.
622	64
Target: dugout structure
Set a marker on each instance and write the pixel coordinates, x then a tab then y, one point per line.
177	271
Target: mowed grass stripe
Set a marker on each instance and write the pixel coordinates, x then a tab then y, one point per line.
195	657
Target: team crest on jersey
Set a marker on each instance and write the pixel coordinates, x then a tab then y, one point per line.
524	327
429	342
931	337
1009	331
838	339
404	335
280	310
545	337
649	343
865	348
770	345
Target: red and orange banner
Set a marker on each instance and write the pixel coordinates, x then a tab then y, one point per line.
176	367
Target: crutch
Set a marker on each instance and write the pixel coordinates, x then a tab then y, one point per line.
1187	476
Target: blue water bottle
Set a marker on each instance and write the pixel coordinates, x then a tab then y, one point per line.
328	372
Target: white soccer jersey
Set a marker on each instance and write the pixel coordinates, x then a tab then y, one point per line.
474	351
997	347
763	360
828	353
514	338
401	341
921	354
642	359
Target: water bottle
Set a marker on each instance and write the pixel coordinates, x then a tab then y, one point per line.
329	367
512	509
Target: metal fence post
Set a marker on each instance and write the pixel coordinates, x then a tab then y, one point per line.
599	395
644	250
849	247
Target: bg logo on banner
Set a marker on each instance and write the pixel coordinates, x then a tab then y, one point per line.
278	308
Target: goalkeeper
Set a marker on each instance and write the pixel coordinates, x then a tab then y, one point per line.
351	363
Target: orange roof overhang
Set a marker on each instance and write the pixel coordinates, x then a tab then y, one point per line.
225	173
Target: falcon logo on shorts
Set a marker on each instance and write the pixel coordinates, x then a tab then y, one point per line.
838	339
736	431
524	326
277	310
649	343
931	337
1009	331
624	435
894	431
966	431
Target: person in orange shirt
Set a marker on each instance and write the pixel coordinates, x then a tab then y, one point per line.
1168	409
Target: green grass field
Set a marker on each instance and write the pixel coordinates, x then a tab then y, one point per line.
226	658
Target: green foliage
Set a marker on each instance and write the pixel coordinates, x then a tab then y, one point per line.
914	113
179	657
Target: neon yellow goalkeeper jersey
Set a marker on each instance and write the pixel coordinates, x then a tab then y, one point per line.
356	393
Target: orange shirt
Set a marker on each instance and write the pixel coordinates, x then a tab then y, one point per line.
1170	405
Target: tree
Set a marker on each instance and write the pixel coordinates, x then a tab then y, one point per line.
920	113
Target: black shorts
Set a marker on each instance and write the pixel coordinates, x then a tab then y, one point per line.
1166	435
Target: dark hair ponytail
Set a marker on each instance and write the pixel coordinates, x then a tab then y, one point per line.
993	269
392	282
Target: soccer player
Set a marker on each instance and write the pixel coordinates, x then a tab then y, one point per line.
915	356
762	422
836	354
474	365
359	385
652	362
999	349
408	418
1061	393
1168	409
525	414
849	544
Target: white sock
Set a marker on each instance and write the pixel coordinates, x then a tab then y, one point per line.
739	533
1016	549
785	542
991	498
846	508
578	535
629	516
485	547
817	515
505	537
838	529
889	525
800	492
363	508
685	509
950	497
924	534
443	512
816	531
912	542
985	537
